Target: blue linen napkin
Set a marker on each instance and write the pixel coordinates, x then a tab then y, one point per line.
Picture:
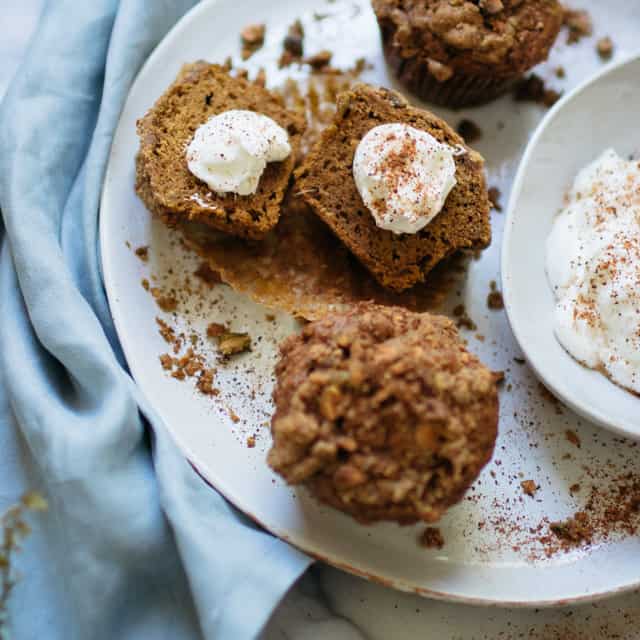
135	545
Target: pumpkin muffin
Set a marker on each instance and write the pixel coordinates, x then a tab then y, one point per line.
383	414
327	182
460	53
164	180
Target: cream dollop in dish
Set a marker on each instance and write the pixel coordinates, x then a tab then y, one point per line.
593	266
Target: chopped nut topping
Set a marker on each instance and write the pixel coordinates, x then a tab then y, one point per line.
143	253
529	487
533	89
319	60
441	72
491	6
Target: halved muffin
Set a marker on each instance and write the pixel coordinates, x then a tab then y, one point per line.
326	182
163	179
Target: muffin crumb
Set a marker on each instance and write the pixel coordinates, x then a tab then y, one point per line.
573	438
579	23
533	89
605	48
252	37
469	130
529	487
494	198
431	538
231	344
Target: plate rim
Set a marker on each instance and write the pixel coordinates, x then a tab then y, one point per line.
194	458
591	414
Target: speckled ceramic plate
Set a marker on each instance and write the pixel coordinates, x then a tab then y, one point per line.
498	547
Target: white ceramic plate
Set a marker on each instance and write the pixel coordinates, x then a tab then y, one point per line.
490	556
595	116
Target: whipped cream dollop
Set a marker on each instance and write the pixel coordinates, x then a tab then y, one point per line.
593	265
232	149
404	176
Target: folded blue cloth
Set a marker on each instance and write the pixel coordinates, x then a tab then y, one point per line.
135	545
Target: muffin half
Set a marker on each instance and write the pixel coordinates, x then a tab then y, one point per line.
164	181
326	181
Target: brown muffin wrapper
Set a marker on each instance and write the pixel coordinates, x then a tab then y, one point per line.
461	90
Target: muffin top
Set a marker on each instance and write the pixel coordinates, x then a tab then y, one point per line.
508	35
383	413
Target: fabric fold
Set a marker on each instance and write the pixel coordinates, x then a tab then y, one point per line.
138	539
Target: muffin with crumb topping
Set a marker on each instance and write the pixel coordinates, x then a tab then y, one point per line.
459	53
383	414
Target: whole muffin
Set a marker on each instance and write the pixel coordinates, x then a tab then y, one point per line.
383	414
459	53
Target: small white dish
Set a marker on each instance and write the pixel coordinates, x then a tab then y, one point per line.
599	114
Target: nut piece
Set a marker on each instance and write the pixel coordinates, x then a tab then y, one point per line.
491	6
431	538
230	344
441	72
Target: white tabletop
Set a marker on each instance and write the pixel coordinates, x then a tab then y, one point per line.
331	605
